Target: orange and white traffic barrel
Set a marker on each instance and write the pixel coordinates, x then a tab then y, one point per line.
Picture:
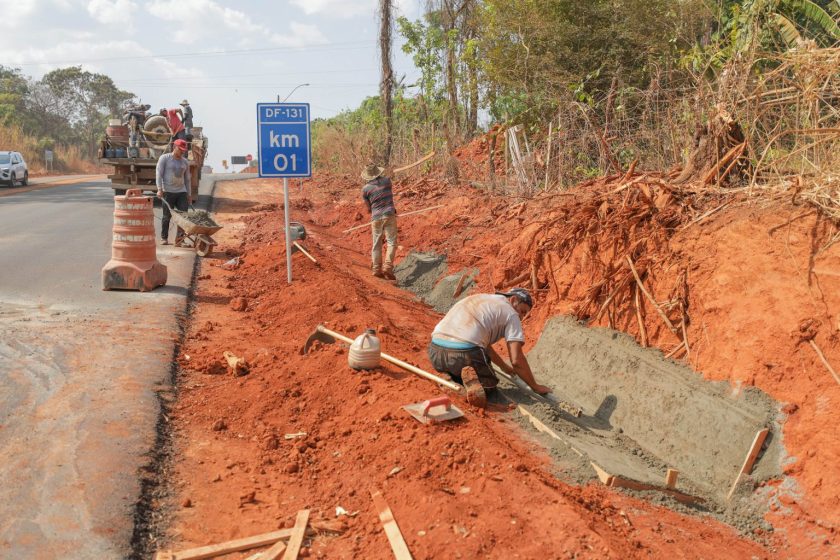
133	264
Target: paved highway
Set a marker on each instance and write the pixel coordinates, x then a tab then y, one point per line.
79	371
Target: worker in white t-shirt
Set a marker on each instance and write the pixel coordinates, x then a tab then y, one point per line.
462	342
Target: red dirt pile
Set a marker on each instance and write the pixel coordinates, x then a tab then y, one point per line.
470	489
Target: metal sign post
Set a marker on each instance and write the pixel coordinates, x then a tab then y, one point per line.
283	143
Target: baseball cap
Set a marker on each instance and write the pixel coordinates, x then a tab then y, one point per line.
521	293
181	144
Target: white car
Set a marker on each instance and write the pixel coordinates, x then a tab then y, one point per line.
13	169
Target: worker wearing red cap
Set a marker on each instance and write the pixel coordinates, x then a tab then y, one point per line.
173	186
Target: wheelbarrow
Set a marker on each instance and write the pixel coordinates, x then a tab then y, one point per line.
198	235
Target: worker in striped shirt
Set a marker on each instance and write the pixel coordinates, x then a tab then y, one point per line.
380	203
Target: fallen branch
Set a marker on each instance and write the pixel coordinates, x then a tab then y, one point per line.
650	297
797	217
707	214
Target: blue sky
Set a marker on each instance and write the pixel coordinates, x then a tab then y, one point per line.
224	56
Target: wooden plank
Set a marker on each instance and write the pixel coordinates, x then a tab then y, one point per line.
296	538
389	524
749	461
671	478
544	429
603	476
227	547
617	481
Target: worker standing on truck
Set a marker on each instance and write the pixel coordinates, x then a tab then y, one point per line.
379	199
174	120
462	342
188	116
173	186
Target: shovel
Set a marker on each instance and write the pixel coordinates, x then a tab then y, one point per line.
325	335
429	412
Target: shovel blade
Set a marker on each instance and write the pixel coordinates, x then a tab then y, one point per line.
319	336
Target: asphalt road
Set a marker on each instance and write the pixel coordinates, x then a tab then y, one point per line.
79	371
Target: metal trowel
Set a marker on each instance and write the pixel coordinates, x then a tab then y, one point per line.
435	410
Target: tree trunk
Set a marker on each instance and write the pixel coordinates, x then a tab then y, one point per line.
451	85
386	85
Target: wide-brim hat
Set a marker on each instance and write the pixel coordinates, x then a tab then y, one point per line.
371	172
185	102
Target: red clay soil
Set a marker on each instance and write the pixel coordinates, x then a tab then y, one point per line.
478	488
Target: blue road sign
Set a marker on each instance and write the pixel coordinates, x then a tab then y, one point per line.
283	140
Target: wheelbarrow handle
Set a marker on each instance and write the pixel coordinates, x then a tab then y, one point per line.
438	401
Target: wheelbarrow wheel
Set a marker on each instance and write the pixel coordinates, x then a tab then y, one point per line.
203	247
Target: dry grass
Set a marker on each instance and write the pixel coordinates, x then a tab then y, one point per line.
66	158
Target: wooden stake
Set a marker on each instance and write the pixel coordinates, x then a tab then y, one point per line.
389	524
548	155
824	361
354	228
671	478
302	250
650	297
746	468
459	286
296	538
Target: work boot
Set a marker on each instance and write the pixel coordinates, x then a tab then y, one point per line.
389	274
378	274
475	392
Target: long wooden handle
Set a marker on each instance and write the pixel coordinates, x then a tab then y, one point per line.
398	362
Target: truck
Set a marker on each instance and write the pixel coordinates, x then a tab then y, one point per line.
133	145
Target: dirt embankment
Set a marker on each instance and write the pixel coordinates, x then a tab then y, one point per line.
478	488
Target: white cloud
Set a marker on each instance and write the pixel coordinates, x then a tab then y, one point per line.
301	35
13	12
112	11
336	8
353	8
199	19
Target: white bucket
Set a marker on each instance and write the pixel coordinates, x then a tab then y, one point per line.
365	351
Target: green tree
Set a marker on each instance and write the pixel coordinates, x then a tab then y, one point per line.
85	99
14	90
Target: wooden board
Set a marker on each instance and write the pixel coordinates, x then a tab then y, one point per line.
296	538
618	481
213	550
542	428
749	461
389	524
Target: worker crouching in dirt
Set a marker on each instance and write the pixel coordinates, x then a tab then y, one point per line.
462	343
379	199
